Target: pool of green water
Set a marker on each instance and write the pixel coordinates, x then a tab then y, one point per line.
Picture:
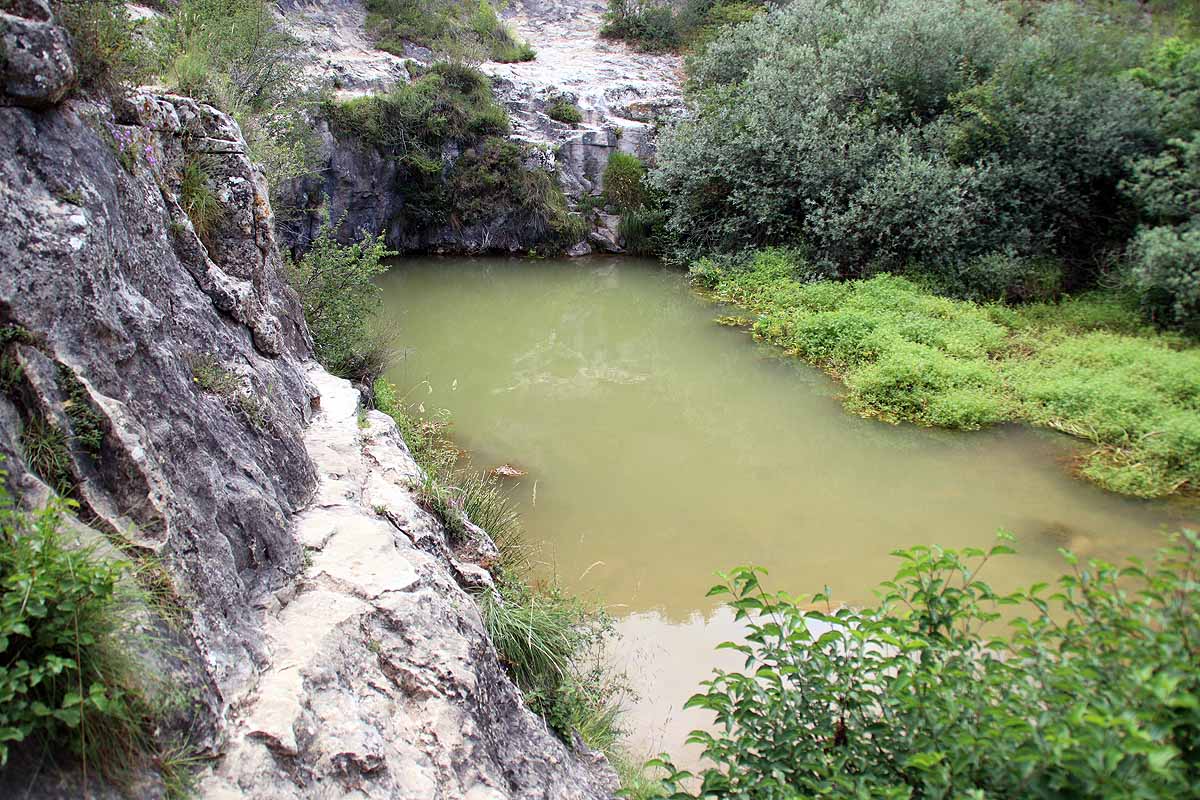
660	447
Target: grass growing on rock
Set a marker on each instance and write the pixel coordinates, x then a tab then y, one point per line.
462	29
550	643
1084	365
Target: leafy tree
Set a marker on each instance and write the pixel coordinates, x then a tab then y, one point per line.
910	134
1166	251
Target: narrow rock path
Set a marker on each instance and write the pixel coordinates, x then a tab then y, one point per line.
382	682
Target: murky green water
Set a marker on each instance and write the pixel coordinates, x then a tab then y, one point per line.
661	447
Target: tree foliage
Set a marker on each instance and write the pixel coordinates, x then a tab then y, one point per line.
1093	691
914	133
1166	251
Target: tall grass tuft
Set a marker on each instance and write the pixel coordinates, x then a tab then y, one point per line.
197	197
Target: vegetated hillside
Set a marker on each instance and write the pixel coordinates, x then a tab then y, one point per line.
987	155
430	165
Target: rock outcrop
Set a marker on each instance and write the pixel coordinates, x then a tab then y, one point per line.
624	97
383	682
327	646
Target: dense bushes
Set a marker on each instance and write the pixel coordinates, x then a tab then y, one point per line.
659	26
912	134
1092	692
337	291
906	354
461	29
1166	251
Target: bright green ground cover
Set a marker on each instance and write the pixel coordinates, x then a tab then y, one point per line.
1085	365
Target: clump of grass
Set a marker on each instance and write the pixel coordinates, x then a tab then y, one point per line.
210	376
561	109
48	453
551	645
87	425
196	196
1085	365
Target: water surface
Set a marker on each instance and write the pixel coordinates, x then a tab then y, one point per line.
661	447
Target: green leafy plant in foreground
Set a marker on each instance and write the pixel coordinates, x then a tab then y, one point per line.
1093	692
63	675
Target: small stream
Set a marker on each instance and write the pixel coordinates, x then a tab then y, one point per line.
661	447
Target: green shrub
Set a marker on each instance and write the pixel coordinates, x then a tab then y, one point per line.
1086	366
641	230
622	181
462	30
563	110
337	291
646	25
883	135
1092	692
108	55
1167	275
64	679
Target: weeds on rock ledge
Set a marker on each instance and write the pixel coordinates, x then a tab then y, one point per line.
550	643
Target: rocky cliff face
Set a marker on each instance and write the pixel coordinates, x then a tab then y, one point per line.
329	641
624	97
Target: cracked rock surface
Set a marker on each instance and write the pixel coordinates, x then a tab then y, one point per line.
382	682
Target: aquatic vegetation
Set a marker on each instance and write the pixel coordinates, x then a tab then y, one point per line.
1086	365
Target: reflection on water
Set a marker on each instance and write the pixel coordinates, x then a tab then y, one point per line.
661	447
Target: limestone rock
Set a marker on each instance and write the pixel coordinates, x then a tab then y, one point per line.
35	56
382	682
